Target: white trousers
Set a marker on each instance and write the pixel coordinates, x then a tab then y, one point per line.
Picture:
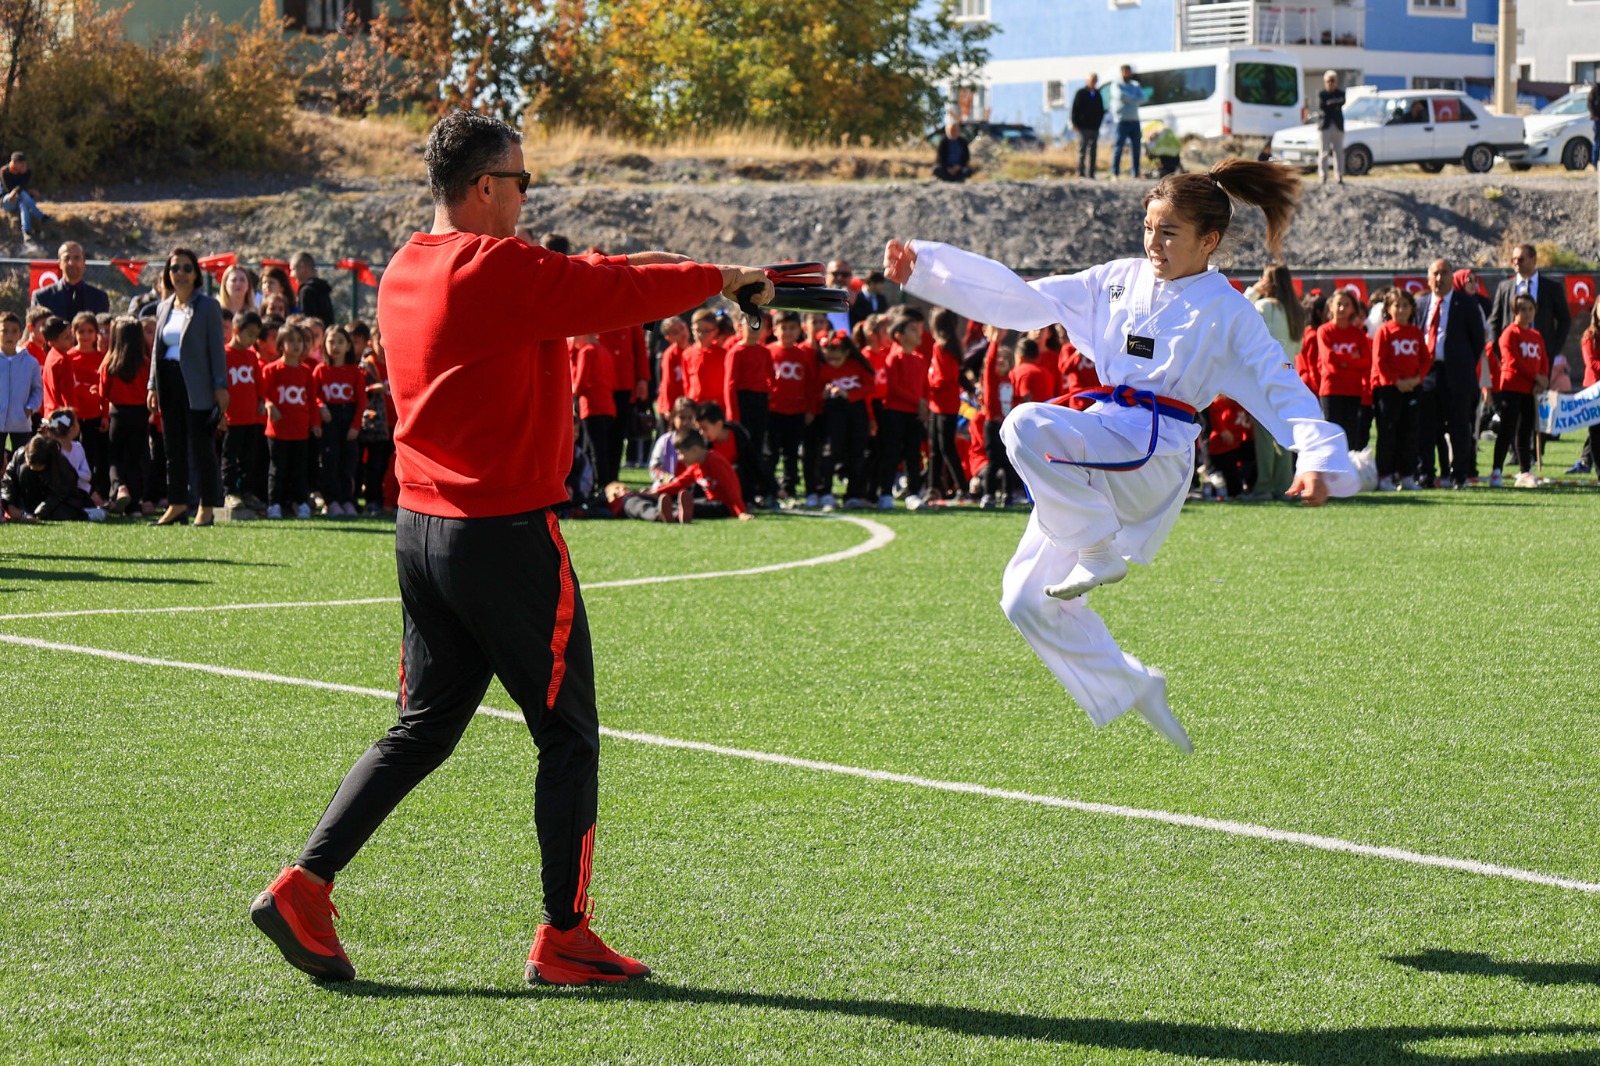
1074	507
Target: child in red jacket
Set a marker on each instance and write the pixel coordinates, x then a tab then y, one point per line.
1230	460
944	407
794	399
1344	359
342	388
1399	360
905	407
244	426
1519	368
595	392
1000	480
670	386
749	391
845	384
292	419
699	465
705	362
124	379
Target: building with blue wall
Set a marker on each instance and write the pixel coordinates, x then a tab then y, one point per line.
1045	49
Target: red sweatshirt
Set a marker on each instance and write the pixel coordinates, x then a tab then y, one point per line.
59	383
1305	364
130	393
672	385
852	377
1344	359
1591	357
1031	382
86	398
1521	358
592	385
715	475
1229	426
1077	371
476	329
794	380
880	372
705	374
39	351
749	369
1398	351
340	384
630	357
997	390
905	380
293	390
244	380
944	382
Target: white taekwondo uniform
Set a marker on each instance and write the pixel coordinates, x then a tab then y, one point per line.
1204	339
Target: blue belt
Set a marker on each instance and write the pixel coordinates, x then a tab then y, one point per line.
1127	396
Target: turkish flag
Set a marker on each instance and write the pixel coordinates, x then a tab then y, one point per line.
216	265
362	268
1415	284
1299	288
283	265
131	268
1355	285
1580	290
1238	286
42	272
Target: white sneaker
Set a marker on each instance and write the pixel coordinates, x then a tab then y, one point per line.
811	501
303	511
885	503
1409	484
828	502
1097	565
1526	480
986	502
274	511
1152	707
1386	484
913	502
96	514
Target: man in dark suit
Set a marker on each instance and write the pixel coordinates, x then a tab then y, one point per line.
1453	326
839	275
1551	317
1088	111
72	294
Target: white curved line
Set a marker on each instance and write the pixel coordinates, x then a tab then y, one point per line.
881	536
1114	810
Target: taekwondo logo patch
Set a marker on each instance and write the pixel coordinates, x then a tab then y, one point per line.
1116	292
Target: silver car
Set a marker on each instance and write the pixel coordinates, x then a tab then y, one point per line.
1561	133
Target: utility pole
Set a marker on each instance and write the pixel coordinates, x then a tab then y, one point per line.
1505	60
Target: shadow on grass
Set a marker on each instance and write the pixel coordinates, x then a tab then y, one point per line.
1372	1044
1440	960
142	561
13	573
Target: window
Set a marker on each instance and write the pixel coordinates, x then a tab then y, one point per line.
1443	8
1453	84
1585	71
1178	86
1055	96
1452	109
972	11
1269	84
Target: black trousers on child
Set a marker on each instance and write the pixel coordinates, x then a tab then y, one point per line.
600	431
899	440
239	447
848	433
130	449
374	468
1344	412
96	449
1396	415
482	598
999	476
945	475
289	480
339	455
1517	419
753	417
786	433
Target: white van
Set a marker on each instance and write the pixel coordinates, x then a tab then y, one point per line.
1225	92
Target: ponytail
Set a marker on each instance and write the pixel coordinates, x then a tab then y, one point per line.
1207	199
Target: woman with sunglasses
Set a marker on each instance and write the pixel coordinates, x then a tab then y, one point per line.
189	386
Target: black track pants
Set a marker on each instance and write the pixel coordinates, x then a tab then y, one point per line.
482	598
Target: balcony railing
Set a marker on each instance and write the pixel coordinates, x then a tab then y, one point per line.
1248	22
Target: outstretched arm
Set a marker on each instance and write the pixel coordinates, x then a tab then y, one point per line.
986	291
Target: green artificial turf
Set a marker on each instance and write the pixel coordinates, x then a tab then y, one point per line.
1411	670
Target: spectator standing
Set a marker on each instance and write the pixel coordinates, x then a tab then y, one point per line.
1552	317
236	293
341	384
1454	331
945	478
377	432
189	387
1591	359
669	389
1399	359
1344	362
1126	96
1088	112
952	160
749	391
21	387
124	375
313	294
245	425
592	368
18	200
1330	128
905	408
1520	367
71	295
840	273
1594	116
1273	296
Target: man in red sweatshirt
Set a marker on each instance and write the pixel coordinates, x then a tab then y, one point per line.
475	324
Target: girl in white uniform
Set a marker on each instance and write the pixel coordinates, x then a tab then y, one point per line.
1167	333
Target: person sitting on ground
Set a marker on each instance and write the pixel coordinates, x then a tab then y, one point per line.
952	159
40	485
622	502
732	442
18	200
699	465
664	456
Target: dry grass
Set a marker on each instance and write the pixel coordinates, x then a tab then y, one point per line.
563	145
382	148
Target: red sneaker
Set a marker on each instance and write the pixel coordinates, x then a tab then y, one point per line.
297	914
577	957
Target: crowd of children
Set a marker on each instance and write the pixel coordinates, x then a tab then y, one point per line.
308	423
788	411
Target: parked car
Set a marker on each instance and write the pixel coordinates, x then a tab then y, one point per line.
1000	134
1431	128
1560	133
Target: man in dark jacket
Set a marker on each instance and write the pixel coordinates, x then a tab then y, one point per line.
953	160
1088	111
314	294
71	295
1553	318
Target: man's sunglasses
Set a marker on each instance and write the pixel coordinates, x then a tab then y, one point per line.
522	176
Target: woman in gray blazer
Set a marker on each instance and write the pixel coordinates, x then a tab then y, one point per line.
189	386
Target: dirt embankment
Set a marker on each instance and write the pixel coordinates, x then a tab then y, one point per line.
1381	223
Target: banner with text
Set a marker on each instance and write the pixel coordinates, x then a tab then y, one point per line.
1563	412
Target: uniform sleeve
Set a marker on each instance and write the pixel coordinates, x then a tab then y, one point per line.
986	291
1260	382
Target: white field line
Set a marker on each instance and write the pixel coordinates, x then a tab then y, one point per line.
881	535
1188	821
